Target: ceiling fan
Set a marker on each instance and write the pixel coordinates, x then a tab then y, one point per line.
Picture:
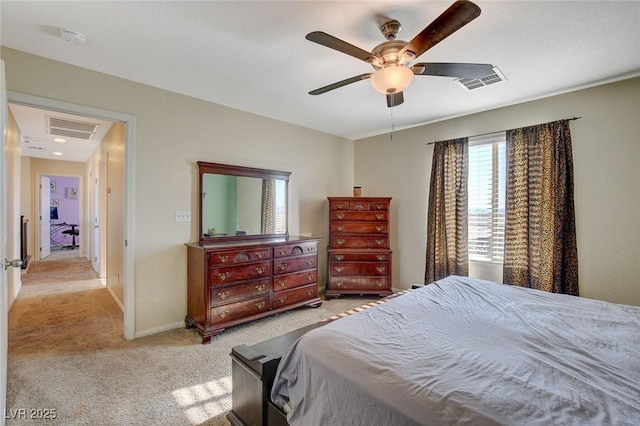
393	58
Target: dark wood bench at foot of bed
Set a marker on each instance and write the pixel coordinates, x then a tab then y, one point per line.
253	369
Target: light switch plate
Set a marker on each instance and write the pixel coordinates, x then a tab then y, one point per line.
183	216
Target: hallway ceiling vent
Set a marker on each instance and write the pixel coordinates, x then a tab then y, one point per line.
72	129
475	83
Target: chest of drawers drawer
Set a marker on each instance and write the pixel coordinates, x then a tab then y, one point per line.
251	271
286	250
359	256
283	282
364	241
245	308
231	293
296	295
368	216
359	205
294	264
234	257
358	228
358	284
358	269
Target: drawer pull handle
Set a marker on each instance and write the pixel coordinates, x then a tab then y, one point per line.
260	305
340	205
340	241
282	266
379	228
379	206
358	207
223	275
224	314
282	251
309	292
282	283
382	257
340	228
379	216
379	242
223	295
339	268
339	257
223	259
340	215
310	277
282	299
379	283
260	254
310	262
259	269
260	287
339	284
380	268
310	249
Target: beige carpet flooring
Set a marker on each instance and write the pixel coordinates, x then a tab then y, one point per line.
67	353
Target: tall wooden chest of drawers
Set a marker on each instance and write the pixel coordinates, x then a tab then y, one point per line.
230	283
359	258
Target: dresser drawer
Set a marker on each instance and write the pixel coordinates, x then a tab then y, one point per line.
358	283
238	310
283	282
295	249
359	256
296	295
234	257
240	273
360	241
220	295
358	269
381	216
294	264
359	228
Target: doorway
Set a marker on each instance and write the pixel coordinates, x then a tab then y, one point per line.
126	215
61	197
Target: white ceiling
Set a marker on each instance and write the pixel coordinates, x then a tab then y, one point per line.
253	56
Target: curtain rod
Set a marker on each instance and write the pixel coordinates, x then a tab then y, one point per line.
488	133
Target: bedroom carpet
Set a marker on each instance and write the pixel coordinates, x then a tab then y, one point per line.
67	353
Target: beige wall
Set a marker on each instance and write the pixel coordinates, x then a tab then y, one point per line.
13	209
172	133
606	152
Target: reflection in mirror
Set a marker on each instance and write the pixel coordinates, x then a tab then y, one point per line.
239	202
239	205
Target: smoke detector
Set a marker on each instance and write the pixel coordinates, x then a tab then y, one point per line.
72	37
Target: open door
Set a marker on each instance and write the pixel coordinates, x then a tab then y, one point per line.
45	217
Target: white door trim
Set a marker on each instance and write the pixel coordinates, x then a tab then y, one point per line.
129	178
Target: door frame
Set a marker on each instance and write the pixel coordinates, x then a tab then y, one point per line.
129	197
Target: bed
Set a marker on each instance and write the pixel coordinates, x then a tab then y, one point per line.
467	351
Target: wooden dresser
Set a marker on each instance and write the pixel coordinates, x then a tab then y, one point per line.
233	282
359	258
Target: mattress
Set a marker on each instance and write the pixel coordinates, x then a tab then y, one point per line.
467	351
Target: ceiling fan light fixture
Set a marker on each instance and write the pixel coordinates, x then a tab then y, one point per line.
391	79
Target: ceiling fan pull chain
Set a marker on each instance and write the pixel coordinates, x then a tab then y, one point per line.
393	125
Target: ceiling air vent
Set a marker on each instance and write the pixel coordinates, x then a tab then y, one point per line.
474	83
69	128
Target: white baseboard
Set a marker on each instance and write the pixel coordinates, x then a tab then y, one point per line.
156	330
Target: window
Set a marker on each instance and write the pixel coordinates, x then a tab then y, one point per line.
487	182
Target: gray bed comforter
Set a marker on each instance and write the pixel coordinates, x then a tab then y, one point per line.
465	351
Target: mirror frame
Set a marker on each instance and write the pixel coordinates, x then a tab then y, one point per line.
226	169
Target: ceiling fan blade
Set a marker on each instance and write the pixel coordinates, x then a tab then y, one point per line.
451	20
449	69
339	84
340	45
395	99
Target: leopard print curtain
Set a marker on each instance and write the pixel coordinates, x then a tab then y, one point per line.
540	249
447	220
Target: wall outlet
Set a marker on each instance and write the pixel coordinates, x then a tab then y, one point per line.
183	216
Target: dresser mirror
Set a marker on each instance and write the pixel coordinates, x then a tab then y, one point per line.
242	202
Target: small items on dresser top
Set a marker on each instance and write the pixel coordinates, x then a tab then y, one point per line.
359	258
